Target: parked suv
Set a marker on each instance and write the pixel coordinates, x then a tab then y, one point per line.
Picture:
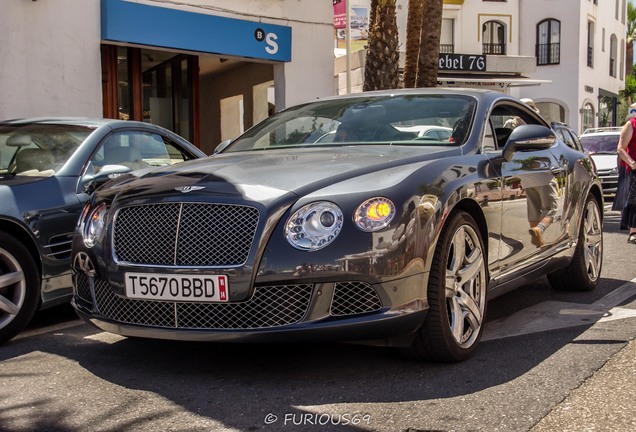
600	144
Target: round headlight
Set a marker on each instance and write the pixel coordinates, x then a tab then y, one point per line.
95	225
314	226
374	214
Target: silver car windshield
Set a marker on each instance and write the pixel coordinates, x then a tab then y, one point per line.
424	119
38	150
600	144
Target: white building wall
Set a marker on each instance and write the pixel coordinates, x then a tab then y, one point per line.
50	58
310	73
572	79
50	63
473	14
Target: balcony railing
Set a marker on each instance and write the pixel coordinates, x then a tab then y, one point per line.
494	48
446	48
548	54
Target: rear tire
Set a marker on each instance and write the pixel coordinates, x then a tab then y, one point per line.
457	289
583	272
19	287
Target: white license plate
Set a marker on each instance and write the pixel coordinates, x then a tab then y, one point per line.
157	286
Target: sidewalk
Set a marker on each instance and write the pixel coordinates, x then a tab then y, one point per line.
604	402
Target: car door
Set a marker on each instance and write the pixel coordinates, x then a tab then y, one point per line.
532	191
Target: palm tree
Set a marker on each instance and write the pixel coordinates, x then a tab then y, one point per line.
629	91
429	44
382	57
631	36
414	24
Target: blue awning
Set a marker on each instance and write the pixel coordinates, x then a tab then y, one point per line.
134	23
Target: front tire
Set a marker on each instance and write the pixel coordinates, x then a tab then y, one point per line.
583	272
457	289
19	287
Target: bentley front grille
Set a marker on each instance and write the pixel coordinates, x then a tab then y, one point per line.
184	234
352	298
270	306
82	289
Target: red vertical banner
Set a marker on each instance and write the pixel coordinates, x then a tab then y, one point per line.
339	14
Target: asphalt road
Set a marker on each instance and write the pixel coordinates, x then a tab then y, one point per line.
539	347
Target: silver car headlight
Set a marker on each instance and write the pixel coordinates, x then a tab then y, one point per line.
314	226
95	225
374	214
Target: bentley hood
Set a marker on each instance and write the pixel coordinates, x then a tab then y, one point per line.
273	173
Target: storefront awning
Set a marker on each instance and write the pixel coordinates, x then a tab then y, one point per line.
165	27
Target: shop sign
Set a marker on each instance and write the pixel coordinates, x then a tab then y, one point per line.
462	62
157	26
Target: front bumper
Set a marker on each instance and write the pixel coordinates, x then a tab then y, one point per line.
609	181
337	311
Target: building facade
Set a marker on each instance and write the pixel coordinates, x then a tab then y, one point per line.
567	55
206	70
580	48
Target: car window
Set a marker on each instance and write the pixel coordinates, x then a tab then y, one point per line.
600	143
505	118
38	149
569	139
413	120
137	150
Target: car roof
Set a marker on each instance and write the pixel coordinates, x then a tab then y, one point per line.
478	93
603	130
80	121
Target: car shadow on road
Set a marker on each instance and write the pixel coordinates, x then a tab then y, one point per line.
239	385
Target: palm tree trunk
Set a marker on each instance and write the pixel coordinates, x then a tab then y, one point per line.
429	45
372	10
382	58
413	37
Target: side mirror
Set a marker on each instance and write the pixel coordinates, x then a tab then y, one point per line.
221	146
107	173
528	137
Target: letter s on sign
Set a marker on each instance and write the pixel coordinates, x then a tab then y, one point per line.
272	45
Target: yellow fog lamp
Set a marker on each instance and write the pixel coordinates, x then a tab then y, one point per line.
374	214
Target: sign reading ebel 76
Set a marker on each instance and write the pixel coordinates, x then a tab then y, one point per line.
462	62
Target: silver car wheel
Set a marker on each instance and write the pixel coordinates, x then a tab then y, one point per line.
592	241
465	286
13	287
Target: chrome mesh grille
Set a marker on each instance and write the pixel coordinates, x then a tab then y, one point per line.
351	298
185	234
270	306
82	290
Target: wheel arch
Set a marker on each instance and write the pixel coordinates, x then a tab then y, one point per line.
598	194
472	208
19	232
475	211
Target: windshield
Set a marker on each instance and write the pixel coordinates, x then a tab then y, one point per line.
38	150
600	143
438	119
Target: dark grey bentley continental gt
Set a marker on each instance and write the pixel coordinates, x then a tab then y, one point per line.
339	220
47	170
